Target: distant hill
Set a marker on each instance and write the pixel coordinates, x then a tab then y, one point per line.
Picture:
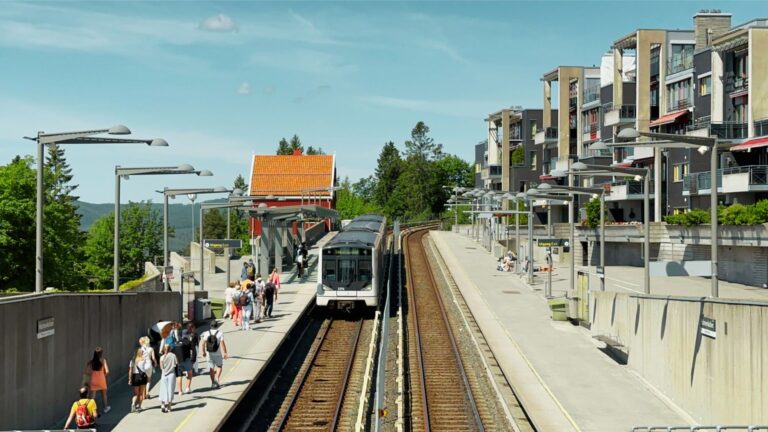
179	217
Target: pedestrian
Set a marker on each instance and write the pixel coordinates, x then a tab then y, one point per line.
190	336
83	411
228	300
299	262
258	298
137	379
251	270
168	363
149	362
244	271
275	279
246	303
213	346
269	295
97	370
236	306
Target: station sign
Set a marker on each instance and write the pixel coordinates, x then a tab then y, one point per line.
222	243
45	327
551	242
708	327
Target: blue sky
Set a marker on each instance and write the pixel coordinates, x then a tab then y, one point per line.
223	80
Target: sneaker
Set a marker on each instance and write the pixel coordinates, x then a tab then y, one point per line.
106	410
188	391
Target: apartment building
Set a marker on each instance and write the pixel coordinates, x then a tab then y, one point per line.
481	151
738	117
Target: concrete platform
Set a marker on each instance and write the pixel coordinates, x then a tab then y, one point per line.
562	378
204	408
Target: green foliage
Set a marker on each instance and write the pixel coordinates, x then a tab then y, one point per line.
215	224
315	151
518	156
737	214
388	169
691	218
593	213
141	234
127	286
17	224
350	205
365	188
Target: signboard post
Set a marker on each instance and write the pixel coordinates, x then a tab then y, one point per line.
708	327
551	242
222	243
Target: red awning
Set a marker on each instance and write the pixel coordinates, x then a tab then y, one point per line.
622	165
750	144
546	177
668	118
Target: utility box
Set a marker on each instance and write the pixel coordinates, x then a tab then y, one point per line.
202	309
558	307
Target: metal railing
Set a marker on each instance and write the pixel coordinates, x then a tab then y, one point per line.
761	127
681	104
699	123
627	112
695	182
634	187
679	64
728	130
591	94
550	133
734	83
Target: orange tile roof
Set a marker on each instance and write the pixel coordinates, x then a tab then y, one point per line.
290	175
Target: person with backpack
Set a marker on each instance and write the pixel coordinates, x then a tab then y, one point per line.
246	303
137	379
299	262
97	370
213	346
244	271
258	298
251	270
83	411
168	363
270	293
237	316
274	277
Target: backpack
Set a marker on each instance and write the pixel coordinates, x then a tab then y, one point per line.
251	270
212	342
244	300
236	296
186	348
82	415
269	290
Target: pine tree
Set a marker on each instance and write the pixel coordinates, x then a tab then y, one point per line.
283	148
295	144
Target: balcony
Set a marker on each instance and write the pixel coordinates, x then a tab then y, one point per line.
628	190
751	178
491	172
618	114
736	83
729	131
591	94
679	64
591	132
679	105
548	135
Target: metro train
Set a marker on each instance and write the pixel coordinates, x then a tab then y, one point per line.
352	265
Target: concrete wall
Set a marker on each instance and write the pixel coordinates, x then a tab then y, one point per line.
719	380
758	76
153	281
39	378
210	259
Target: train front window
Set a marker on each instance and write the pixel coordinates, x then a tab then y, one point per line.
329	271
365	273
346	271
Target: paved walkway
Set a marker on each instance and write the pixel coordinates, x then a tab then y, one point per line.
565	382
204	408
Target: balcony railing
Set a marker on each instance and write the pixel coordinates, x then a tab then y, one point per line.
679	105
757	175
735	83
700	123
679	64
591	94
728	130
615	114
761	127
491	171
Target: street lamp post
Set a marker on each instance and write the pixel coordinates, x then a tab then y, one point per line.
702	144
228	206
127	172
79	137
544	192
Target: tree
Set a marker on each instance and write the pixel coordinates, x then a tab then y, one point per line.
283	148
239	219
17	224
350	205
214	225
388	169
422	145
62	237
295	144
315	151
364	188
141	234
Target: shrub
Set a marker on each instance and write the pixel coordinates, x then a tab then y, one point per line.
593	213
691	218
518	156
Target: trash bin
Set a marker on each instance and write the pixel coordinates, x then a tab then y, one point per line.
202	309
559	307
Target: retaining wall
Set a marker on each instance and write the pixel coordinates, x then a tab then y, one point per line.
39	378
717	380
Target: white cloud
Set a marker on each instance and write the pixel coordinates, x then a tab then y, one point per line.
244	89
218	23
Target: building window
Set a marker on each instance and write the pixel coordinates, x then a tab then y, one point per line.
740	106
705	86
679	171
534	127
533	160
679	95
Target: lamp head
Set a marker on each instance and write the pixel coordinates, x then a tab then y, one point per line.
521	196
558	173
628	133
579	166
702	150
119	130
544	186
192	196
594	196
598	146
638	177
185	167
205	173
220	189
237	192
158	142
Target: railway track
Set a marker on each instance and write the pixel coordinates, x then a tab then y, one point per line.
441	397
316	400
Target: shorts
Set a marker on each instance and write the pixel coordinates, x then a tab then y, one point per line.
215	360
184	367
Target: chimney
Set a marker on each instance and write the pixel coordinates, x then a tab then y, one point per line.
708	24
297	152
